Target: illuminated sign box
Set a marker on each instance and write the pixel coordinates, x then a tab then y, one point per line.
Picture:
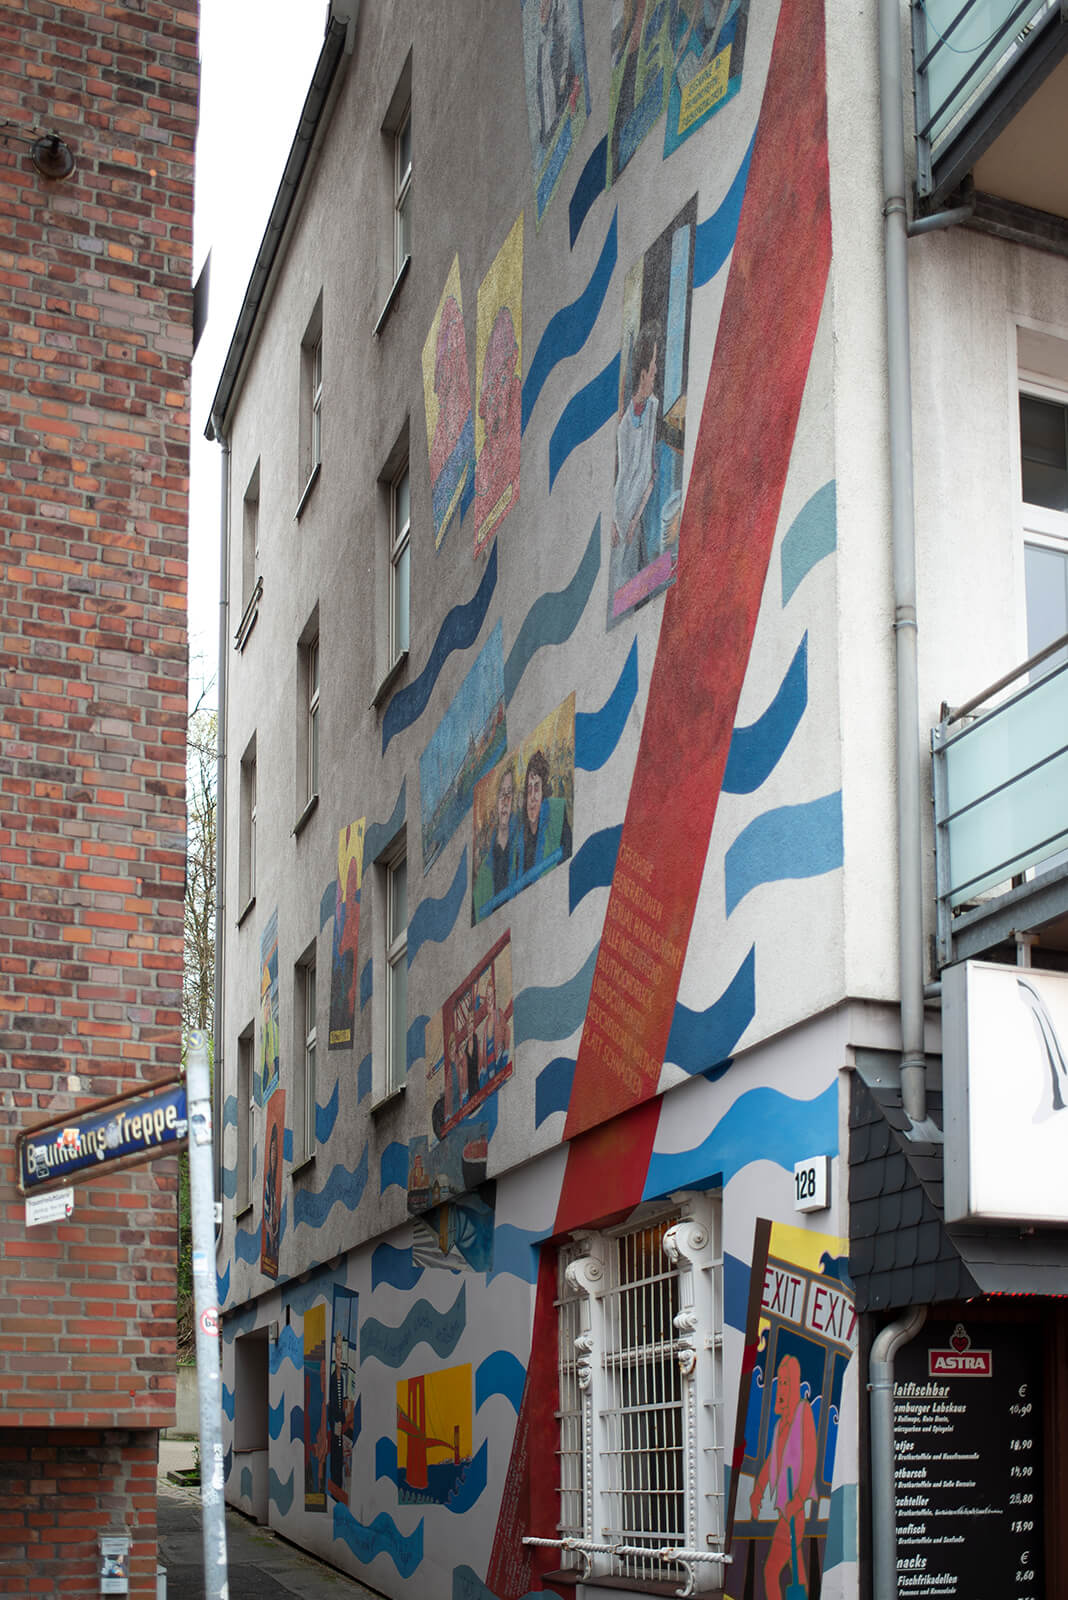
1004	1070
121	1132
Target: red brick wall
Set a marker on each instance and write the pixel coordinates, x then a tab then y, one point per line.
95	339
58	1492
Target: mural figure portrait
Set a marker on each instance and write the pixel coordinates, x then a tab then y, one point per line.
271	1225
789	1475
469	1041
636	459
269	1062
449	418
500	406
346	940
707	47
497	871
545	833
316	1433
637	89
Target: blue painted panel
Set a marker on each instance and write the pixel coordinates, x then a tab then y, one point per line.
393	1167
583	416
381	1537
756	751
802	841
700	1041
590	185
715	236
395	1267
554	616
568	330
380	834
326	1116
598	732
500	1373
344	1187
441	1330
762	1125
433	920
554	1013
552	1088
812	535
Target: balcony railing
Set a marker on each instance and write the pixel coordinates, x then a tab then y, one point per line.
974	65
1001	808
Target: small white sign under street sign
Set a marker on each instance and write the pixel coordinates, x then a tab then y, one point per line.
54	1206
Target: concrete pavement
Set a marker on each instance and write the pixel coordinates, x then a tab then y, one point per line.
261	1565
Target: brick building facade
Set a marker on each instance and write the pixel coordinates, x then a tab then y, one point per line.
95	340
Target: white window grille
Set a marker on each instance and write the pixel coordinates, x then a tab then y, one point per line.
396	973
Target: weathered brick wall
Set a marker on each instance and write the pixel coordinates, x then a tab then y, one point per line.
95	339
57	1494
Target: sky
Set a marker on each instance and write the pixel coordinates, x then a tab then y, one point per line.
256	62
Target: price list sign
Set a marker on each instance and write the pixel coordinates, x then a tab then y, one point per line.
968	1462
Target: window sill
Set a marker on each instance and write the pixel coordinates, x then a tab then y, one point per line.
245	1208
389	680
306	815
306	492
245	909
388	1099
249	616
393	296
302	1165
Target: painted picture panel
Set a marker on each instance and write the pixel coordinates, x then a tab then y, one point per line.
269	1061
450	423
470	738
800	1336
457	1235
707	51
451	1166
641	59
344	1409
524	813
316	1434
433	1435
651	432
343	967
472	1040
498	381
271	1223
558	89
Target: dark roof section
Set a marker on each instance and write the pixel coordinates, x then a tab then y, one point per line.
901	1251
315	104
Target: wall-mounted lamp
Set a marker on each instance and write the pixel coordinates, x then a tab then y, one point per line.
52	156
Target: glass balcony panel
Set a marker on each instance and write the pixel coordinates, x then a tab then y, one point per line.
985	38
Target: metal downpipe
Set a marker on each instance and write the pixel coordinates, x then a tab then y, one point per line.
218	1049
881	1407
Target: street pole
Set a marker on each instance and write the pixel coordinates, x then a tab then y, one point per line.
205	1293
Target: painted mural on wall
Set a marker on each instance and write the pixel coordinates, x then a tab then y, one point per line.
343	968
433	1435
316	1428
448	1167
651	433
641	60
800	1337
470	738
450	423
707	54
457	1235
271	1222
558	89
344	1408
469	1041
524	813
498	383
267	1075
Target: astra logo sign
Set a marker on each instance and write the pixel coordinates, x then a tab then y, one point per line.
960	1361
130	1129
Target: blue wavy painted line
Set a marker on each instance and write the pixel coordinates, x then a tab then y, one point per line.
416	1040
590	184
230	1111
382	1537
553	617
246	1483
299	1296
735	1291
762	1125
287	1145
229	1182
701	1041
289	1347
841	1543
296	1425
515	1253
367	981
812	535
395	1267
552	1088
326	1116
247	1244
228	1402
222	1284
327	905
458	632
393	1167
344	1187
472	1484
441	1330
275	1418
281	1494
240	1322
363	1078
756	751
585	413
467	1585
500	1373
381	834
433	920
593	864
598	732
802	841
568	330
715	236
554	1013
386	1459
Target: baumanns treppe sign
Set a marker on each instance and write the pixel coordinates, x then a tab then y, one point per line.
122	1132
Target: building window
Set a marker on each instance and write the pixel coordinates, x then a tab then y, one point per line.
399	565
304	1055
1044	475
396	897
308	729
246	891
640	1413
402	190
243	1192
250	538
311	403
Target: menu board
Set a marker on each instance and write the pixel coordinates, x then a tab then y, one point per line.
968	1462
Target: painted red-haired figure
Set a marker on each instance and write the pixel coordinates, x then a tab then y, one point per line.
500	405
789	1471
453	448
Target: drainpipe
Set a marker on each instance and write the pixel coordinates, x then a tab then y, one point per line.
881	1389
220	799
903	535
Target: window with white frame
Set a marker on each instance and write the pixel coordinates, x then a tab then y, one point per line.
308	725
311	402
402	190
1044	489
304	1055
641	1452
399	564
246	891
243	1191
395	879
250	538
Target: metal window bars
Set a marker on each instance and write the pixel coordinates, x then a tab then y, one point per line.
689	1560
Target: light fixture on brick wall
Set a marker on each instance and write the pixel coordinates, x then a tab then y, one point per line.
51	155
